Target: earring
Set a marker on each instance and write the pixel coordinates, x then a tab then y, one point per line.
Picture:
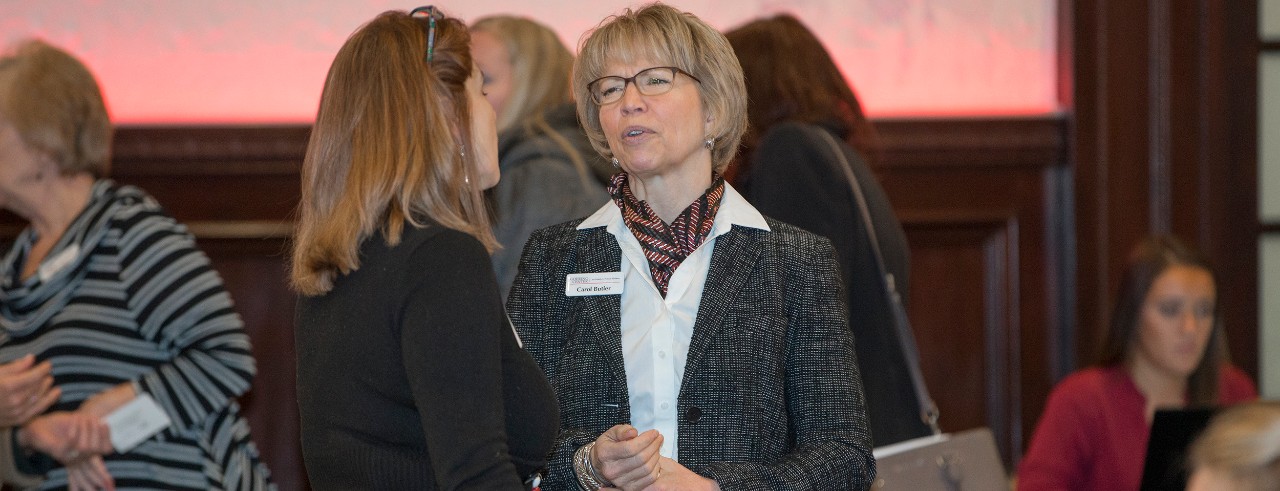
615	163
709	143
462	149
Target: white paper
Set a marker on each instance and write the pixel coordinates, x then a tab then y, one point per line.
135	421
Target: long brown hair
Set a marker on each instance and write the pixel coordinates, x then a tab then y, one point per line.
791	77
1148	260
387	147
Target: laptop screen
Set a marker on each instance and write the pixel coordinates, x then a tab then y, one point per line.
1172	431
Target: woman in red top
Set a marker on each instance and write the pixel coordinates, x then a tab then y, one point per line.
1165	349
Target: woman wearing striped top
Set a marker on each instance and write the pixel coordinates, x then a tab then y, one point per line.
115	295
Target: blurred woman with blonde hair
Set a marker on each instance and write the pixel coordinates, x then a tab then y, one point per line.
550	174
1239	451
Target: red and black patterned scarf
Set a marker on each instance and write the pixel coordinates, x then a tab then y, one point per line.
666	246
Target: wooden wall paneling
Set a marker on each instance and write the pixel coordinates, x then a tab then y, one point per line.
982	206
254	270
1233	193
1164	141
1111	155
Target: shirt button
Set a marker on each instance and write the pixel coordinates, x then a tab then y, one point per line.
664	405
662	354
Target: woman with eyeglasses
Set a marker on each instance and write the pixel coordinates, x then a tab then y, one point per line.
691	342
410	376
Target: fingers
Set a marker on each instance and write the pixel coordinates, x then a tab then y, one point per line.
24	390
40	402
94	436
99	475
89	475
630	464
18	365
621	432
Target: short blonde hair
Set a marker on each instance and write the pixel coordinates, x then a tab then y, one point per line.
387	147
668	37
54	103
1243	445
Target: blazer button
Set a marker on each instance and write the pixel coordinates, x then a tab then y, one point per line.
693	414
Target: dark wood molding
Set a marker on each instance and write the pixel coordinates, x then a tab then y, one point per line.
246	146
985	142
1269	46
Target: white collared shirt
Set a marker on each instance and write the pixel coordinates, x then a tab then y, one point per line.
656	331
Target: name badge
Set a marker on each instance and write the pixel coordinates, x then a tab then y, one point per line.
53	265
135	421
590	284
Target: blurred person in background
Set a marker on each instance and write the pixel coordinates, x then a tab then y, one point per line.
114	295
1165	348
801	112
550	174
1239	451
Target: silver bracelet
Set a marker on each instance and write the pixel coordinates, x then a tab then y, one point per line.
588	478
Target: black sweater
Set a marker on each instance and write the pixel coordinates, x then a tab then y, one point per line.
410	376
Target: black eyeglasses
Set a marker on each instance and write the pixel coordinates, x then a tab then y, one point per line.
650	81
432	14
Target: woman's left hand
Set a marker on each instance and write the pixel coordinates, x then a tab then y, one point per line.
89	475
103	403
672	476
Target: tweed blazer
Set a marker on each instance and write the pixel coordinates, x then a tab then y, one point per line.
771	397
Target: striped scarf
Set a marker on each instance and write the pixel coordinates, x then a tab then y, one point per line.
666	246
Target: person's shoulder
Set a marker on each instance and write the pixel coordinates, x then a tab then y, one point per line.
135	216
789	235
432	237
1089	384
563	232
1235	386
791	133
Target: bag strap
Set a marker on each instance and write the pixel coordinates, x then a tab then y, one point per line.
928	409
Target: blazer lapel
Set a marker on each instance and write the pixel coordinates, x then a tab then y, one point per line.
599	253
733	261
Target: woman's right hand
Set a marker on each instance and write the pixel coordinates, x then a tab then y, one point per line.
26	389
89	475
627	458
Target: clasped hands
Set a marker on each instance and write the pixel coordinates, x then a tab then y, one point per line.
631	462
78	439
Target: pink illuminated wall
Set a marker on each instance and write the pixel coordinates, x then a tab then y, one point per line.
253	61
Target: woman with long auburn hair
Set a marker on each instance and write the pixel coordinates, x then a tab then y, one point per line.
410	375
